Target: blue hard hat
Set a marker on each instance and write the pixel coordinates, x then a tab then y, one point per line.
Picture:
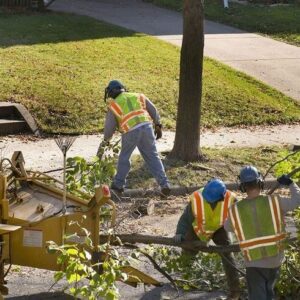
214	190
114	88
115	84
249	174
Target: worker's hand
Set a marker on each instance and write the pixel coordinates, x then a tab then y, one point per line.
158	131
101	148
178	238
285	180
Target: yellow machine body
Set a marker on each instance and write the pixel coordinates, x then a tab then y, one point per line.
32	215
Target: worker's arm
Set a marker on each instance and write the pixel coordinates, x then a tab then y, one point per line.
289	204
185	222
153	112
110	126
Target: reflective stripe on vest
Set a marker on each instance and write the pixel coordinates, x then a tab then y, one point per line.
116	109
130	110
259	226
206	219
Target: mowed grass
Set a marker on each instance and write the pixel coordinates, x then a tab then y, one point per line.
222	163
58	65
279	22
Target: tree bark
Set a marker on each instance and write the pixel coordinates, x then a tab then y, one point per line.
187	138
168	241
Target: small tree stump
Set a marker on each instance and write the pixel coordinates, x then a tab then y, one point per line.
143	206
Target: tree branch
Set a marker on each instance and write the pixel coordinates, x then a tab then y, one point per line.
167	241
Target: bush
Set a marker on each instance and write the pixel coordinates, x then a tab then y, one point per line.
288	286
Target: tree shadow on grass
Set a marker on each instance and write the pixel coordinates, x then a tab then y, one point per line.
41	28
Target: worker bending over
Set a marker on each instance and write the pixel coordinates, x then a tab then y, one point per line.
258	224
203	219
132	114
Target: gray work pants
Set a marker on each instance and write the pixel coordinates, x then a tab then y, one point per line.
143	138
261	282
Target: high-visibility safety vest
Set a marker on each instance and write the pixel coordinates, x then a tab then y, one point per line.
206	219
130	110
259	226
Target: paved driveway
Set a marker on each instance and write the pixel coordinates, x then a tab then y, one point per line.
273	62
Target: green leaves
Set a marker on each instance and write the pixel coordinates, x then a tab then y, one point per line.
288	165
288	285
201	271
73	252
84	176
82	273
58	276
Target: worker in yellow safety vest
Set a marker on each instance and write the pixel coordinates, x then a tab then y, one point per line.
258	224
133	114
203	219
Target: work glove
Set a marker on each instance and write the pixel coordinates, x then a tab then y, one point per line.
178	238
285	180
101	148
158	131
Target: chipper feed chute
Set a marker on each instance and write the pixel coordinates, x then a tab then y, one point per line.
32	214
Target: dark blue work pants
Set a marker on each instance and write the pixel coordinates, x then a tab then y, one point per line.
261	282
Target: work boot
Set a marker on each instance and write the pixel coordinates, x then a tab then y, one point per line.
116	189
165	191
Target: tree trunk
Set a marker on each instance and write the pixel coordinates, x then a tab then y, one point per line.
187	138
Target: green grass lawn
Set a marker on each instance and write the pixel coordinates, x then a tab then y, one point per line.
57	65
279	22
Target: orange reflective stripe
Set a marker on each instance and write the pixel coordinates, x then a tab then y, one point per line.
116	108
277	215
238	230
199	212
261	241
225	207
125	127
142	101
131	115
236	224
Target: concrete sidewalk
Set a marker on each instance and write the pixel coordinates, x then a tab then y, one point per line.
273	62
43	154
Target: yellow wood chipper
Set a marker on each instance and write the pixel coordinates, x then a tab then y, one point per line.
31	214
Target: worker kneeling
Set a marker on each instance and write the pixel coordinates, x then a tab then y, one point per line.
204	218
